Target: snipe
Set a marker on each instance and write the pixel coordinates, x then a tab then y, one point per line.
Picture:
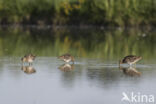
28	58
131	59
67	58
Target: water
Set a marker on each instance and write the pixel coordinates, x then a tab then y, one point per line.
95	78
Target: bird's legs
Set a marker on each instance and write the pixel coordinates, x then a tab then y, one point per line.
135	65
22	63
30	63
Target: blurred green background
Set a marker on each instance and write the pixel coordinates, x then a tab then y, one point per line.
78	12
54	37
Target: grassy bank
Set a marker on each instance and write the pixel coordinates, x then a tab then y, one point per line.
78	12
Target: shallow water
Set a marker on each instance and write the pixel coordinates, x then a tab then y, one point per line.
87	82
95	78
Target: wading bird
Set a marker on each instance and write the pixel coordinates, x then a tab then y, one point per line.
131	59
28	58
67	58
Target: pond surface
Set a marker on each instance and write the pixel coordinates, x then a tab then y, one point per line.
95	78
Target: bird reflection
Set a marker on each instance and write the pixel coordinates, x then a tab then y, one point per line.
66	67
130	71
28	69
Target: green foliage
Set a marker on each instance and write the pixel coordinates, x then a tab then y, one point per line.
98	12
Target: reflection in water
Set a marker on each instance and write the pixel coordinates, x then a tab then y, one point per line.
28	69
45	42
87	79
130	71
88	83
66	67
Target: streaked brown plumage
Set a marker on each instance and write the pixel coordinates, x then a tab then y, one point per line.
67	58
28	58
28	69
131	59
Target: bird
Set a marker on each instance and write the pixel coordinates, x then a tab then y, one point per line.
67	58
130	59
28	58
